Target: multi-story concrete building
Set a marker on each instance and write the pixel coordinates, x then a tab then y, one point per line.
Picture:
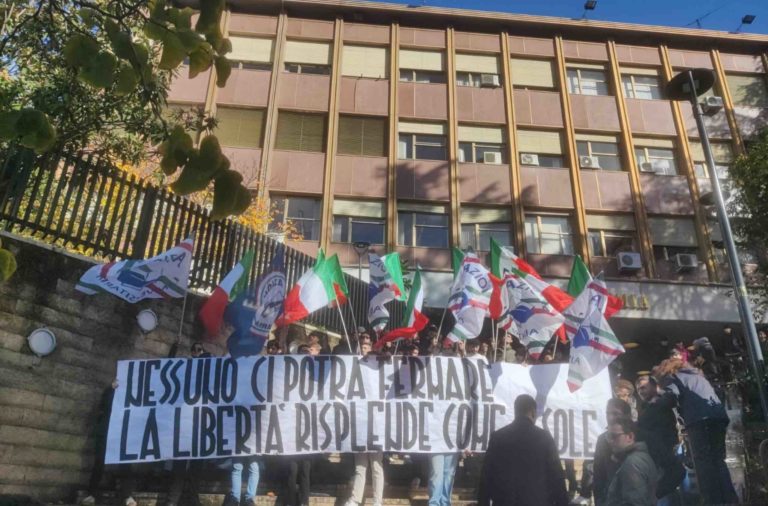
417	129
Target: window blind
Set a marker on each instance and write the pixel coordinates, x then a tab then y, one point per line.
672	232
491	135
532	141
251	49
748	90
362	136
610	222
722	152
316	53
537	73
485	215
421	208
422	60
597	138
364	61
422	128
359	208
485	64
640	71
300	132
241	128
654	143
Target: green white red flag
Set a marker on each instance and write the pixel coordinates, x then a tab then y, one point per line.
470	298
164	276
414	320
593	344
386	284
316	289
212	313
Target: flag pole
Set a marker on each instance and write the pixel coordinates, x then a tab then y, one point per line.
344	326
554	349
186	292
439	327
495	339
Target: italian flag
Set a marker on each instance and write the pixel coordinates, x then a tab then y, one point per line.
414	320
580	279
212	313
320	286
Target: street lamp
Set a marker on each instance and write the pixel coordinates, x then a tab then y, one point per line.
361	248
689	85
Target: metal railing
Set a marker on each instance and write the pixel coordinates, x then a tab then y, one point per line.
83	203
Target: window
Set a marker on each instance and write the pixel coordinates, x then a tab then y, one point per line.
422	66
302	213
362	136
422	225
307	57
548	235
364	61
479	225
536	74
421	76
358	221
601	149
300	132
251	53
748	90
587	80
657	160
607	243
470	69
422	141
672	236
644	87
540	148
481	145
239	128
722	153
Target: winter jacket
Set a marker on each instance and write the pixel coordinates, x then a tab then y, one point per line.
634	484
693	395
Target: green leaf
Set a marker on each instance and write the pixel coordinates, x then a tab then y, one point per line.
154	30
34	130
181	18
175	150
157	10
190	40
224	47
210	15
200	60
173	52
223	70
243	200
122	44
79	49
8	120
225	194
194	177
7	264
87	15
99	71
127	79
211	156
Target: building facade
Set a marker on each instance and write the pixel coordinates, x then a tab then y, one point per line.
417	129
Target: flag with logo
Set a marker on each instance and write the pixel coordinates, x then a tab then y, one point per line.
579	279
414	320
234	283
593	344
470	298
529	316
164	276
254	311
386	284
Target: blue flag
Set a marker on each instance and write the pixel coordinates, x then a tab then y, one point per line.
255	310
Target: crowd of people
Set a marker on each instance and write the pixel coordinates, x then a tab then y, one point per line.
637	462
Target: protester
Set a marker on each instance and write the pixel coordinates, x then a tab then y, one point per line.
686	388
273	347
186	474
657	428
363	461
442	470
634	483
236	481
625	391
319	339
522	466
473	350
603	465
297	470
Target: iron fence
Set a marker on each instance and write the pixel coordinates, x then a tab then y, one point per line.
83	203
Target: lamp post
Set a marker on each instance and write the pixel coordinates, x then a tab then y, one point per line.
361	248
689	85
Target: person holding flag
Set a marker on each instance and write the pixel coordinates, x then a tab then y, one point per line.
211	314
386	284
414	320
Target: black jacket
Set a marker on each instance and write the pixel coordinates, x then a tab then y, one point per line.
605	467
522	468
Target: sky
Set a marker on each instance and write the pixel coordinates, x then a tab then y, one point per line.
713	14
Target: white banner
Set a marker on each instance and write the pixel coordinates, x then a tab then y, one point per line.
291	404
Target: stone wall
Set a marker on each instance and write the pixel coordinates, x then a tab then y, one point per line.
48	405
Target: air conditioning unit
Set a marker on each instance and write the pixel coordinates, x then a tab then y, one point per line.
712	105
647	167
589	162
462	158
489	81
492	157
529	159
685	262
660	165
629	261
